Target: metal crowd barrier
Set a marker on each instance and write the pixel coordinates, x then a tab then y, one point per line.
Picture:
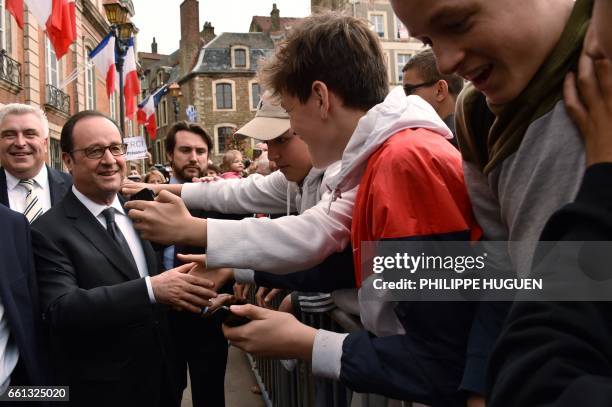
299	388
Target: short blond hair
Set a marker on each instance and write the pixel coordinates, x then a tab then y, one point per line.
228	158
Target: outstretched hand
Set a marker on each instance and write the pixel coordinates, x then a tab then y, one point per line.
181	290
167	221
271	334
219	276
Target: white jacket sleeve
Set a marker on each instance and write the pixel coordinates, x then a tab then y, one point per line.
254	194
283	245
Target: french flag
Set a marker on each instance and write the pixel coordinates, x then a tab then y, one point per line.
15	7
103	57
146	111
131	83
59	19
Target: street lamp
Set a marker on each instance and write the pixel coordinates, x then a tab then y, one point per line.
175	93
118	15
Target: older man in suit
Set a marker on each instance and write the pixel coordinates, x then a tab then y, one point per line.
20	322
27	185
100	290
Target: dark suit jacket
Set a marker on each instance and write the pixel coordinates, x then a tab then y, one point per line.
19	296
59	184
111	345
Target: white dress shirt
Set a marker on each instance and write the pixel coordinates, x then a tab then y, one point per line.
125	225
9	353
17	193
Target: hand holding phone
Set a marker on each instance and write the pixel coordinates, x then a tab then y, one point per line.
220	309
144	194
229	318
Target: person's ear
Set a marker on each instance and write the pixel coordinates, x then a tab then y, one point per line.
321	95
441	89
68	161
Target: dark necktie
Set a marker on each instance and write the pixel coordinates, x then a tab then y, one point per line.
115	232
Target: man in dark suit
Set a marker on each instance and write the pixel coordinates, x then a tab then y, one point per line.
27	185
100	290
20	322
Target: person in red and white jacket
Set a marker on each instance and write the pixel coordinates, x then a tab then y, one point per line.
410	187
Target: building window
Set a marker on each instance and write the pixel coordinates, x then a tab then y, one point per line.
223	139
240	57
53	66
114	114
162	113
402	59
55	154
223	96
90	85
255	95
159	157
377	20
160	78
401	32
388	65
5	28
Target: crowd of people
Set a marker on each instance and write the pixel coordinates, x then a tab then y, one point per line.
110	293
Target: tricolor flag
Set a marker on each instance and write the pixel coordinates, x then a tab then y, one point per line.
59	19
15	7
103	57
146	110
131	83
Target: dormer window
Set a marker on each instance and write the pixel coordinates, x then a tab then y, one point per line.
240	57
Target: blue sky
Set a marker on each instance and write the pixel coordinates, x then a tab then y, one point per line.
161	19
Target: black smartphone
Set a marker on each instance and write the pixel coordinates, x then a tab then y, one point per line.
144	194
229	318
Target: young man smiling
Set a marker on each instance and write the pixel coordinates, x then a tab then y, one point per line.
523	156
331	78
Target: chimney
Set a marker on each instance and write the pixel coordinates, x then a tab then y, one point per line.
154	46
208	32
275	15
190	34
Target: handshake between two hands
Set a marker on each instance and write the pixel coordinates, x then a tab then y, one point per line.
191	286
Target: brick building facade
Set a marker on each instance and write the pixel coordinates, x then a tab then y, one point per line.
31	74
217	78
396	42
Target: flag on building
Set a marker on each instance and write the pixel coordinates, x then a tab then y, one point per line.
103	57
59	19
146	111
131	83
15	7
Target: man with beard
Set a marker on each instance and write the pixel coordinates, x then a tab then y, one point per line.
187	147
200	344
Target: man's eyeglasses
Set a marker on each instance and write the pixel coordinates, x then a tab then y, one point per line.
97	152
409	89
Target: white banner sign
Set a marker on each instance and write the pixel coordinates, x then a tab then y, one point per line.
136	149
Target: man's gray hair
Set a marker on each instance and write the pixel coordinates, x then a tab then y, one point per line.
20	108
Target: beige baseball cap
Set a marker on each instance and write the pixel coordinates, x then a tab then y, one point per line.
270	121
